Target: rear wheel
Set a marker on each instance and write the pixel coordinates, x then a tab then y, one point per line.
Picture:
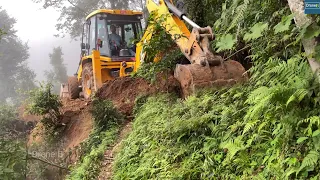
87	80
73	86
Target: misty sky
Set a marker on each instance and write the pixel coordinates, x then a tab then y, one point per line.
36	26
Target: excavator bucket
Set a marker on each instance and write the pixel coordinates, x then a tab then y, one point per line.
206	69
70	90
195	76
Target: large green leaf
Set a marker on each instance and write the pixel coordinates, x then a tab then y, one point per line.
256	31
225	42
316	53
301	140
316	133
284	25
312	31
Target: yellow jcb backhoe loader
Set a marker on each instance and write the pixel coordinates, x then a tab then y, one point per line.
106	51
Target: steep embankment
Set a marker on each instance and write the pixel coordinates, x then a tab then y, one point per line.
77	119
250	131
268	128
123	91
110	127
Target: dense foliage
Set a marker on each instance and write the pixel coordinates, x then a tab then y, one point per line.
12	153
7	115
43	102
106	126
267	128
12	160
249	131
165	51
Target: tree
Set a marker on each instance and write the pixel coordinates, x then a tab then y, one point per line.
58	73
301	20
14	71
73	12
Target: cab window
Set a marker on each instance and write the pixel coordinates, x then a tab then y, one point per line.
92	36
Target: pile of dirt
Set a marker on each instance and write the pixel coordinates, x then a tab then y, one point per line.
78	125
77	116
123	91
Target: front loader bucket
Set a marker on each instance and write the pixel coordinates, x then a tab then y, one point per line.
195	76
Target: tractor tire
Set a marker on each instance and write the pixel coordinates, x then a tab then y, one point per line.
73	86
87	80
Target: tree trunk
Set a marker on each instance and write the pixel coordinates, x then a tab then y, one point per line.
301	19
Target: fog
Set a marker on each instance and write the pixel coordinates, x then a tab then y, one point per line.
36	26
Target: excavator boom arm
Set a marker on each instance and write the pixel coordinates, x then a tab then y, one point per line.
205	68
194	45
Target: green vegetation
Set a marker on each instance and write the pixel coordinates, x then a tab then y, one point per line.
12	163
7	115
43	102
106	127
160	42
249	131
267	128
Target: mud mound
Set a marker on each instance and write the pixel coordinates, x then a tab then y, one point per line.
77	116
78	121
123	91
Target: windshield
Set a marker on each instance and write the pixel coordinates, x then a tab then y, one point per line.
118	37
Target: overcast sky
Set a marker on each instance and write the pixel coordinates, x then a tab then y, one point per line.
36	26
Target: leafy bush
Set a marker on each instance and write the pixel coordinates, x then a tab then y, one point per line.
7	114
105	114
150	70
106	126
161	52
12	159
46	104
246	132
12	152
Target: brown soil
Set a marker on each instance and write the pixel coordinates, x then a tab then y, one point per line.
123	91
76	116
106	170
78	122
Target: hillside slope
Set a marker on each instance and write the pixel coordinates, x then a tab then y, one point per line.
268	128
249	131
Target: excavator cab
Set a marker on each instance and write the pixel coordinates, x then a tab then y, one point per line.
108	50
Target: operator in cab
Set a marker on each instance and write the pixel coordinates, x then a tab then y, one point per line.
115	41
